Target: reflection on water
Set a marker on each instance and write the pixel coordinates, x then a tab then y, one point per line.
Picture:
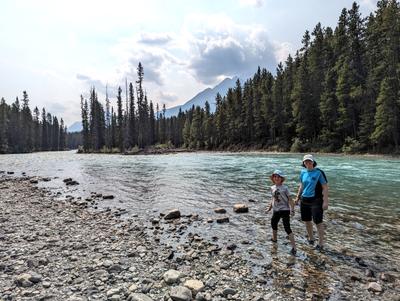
364	191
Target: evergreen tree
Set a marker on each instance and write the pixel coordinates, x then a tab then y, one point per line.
387	115
85	125
3	126
120	122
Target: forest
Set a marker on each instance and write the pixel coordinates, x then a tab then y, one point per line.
24	132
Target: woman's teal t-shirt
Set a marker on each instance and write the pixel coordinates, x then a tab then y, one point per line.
309	180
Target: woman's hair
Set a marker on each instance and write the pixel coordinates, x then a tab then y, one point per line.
314	164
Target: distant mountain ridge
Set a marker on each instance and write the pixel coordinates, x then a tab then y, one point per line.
75	127
206	95
200	99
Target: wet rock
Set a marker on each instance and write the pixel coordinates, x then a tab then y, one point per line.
28	279
222	220
360	261
108	197
70	182
229	291
112	292
374	287
181	293
387	277
369	273
172	214
357	226
219	210
240	208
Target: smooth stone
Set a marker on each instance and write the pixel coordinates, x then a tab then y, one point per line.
222	220
240	208
374	287
172	276
181	293
194	285
172	214
139	297
219	210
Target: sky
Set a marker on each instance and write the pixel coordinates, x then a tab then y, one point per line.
58	50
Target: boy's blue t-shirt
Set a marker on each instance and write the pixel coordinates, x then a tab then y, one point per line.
309	179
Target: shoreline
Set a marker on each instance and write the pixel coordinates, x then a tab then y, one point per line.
63	248
240	151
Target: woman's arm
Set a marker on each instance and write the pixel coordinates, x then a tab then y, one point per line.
296	201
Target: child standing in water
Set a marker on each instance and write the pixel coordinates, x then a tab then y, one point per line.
282	206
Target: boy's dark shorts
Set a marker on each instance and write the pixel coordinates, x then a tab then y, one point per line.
311	209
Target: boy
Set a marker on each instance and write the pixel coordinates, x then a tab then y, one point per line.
282	206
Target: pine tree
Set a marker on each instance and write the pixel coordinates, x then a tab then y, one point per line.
120	122
14	128
132	121
3	126
387	115
85	125
26	124
152	122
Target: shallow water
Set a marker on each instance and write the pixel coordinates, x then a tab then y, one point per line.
364	192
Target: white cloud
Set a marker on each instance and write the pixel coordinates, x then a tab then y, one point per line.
167	97
220	48
370	4
208	49
155	38
255	3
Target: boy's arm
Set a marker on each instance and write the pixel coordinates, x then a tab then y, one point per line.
269	207
291	205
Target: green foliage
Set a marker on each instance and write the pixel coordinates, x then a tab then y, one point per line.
20	132
351	146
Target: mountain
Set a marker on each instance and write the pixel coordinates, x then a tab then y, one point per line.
75	127
206	95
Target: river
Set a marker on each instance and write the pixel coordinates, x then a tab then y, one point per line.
364	192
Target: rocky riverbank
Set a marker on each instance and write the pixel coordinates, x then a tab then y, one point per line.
55	247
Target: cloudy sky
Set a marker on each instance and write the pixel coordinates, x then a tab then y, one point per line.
57	50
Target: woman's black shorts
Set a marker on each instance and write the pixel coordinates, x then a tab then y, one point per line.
311	209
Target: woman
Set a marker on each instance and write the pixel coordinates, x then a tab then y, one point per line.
313	196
